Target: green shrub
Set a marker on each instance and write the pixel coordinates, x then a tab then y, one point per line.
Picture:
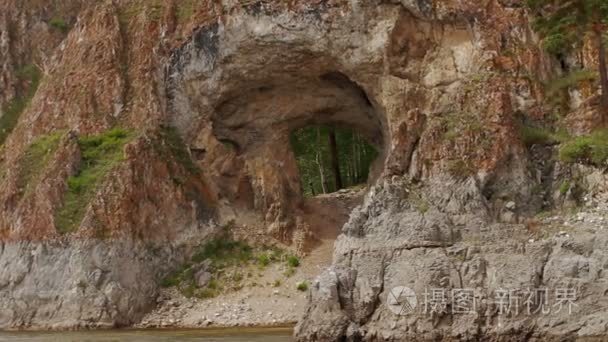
213	284
536	136
224	250
277	283
100	154
588	149
59	24
177	277
302	286
564	187
293	261
418	201
263	260
556	43
171	280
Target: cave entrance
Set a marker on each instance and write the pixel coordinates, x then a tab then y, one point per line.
260	141
331	158
334	162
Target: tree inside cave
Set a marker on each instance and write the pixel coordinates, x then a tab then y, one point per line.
331	158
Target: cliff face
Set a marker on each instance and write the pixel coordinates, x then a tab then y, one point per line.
205	94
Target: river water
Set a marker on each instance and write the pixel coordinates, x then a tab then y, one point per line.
211	335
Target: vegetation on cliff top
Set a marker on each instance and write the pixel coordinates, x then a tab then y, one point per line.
31	76
100	154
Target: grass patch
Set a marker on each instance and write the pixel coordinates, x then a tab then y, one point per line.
418	201
59	24
302	286
100	154
224	252
12	111
35	159
263	260
174	278
564	187
533	135
229	262
456	123
460	168
587	149
536	136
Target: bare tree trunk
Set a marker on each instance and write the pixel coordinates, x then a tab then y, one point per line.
349	172
355	152
362	160
335	163
319	161
603	75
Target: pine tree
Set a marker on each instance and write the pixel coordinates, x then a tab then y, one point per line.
563	24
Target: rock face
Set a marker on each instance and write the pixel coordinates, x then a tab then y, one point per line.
83	284
211	90
427	252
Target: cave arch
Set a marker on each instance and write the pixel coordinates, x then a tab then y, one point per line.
239	105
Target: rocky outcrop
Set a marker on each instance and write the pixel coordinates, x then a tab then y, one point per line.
85	284
426	252
209	92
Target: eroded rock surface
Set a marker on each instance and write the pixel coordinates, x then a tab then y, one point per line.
352	298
